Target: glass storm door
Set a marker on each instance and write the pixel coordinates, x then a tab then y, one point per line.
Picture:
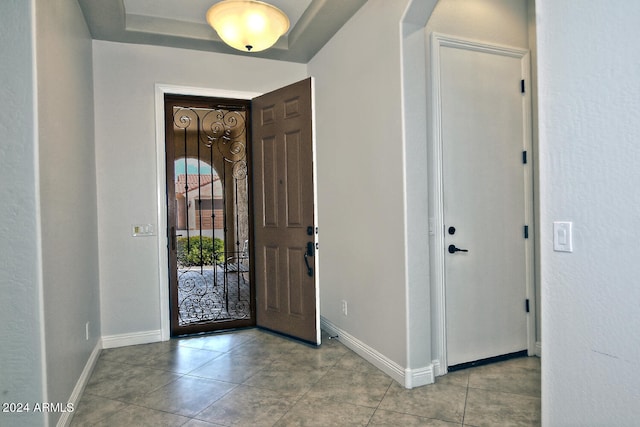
211	284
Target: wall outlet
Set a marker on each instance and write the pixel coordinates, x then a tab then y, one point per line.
86	331
344	307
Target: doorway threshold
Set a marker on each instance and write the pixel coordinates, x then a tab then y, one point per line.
487	361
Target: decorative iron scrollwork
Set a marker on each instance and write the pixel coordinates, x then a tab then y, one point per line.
217	289
205	297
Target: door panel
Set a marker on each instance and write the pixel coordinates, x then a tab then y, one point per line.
295	211
484	200
271	278
296	296
268	159
284	201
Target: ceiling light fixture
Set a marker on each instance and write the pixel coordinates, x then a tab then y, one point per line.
248	25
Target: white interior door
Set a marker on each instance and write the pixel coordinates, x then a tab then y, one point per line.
483	138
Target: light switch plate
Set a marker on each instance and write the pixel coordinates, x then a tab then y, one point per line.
562	236
140	230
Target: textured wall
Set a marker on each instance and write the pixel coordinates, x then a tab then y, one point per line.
589	95
360	178
374	253
21	352
67	193
494	21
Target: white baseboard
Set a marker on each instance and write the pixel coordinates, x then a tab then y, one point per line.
438	368
419	377
409	378
76	394
135	338
538	349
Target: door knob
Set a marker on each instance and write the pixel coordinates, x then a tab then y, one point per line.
453	249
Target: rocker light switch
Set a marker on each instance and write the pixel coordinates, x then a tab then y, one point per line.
562	239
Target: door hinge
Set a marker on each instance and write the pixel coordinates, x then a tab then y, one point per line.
526	231
524	157
522	86
526	305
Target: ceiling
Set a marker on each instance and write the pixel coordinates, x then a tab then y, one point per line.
182	24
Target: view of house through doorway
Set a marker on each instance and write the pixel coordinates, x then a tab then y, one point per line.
208	214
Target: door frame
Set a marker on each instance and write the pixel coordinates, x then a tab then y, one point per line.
161	177
436	190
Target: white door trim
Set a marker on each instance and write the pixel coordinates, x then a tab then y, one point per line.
161	178
436	188
316	258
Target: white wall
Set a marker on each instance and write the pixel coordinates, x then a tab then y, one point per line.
492	21
589	94
67	193
21	351
124	81
360	178
420	348
372	165
49	245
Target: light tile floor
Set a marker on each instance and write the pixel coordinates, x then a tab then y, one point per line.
255	378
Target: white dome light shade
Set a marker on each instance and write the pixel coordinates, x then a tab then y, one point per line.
248	25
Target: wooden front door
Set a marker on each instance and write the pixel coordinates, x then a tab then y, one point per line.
285	228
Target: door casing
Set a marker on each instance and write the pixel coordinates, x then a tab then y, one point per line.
437	196
164	334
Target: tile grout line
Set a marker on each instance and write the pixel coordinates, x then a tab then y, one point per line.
307	392
505	392
236	385
466	396
224	350
195	417
179	376
380	403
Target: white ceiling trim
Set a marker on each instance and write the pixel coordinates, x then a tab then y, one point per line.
312	29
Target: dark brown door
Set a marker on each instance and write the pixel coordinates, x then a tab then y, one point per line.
284	233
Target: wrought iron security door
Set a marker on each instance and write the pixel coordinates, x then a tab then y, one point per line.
208	197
